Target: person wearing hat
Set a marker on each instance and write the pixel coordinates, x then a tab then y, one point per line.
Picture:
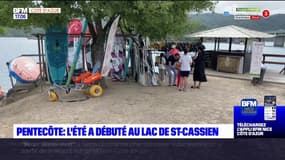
173	50
199	67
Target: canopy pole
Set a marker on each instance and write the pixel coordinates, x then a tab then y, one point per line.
215	48
40	60
43	57
40	56
244	55
245	45
218	44
230	45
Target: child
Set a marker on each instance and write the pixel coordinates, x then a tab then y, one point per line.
178	67
178	78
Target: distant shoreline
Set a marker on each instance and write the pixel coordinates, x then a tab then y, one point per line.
14	37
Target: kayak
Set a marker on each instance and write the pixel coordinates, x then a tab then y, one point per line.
24	69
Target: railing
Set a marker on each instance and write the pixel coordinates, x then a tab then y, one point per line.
274	62
31	55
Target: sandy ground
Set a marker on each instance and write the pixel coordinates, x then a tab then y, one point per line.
129	103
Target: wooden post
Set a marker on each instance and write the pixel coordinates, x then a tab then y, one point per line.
45	64
40	56
43	58
40	61
215	44
218	44
230	45
245	45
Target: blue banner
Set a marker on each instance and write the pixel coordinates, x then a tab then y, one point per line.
267	122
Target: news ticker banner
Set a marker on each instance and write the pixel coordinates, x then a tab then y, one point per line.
123	131
256	122
250	120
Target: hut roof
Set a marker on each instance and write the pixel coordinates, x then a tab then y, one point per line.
230	31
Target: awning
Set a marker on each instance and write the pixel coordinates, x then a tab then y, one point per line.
230	31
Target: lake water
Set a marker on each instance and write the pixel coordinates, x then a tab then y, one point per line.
12	47
269	49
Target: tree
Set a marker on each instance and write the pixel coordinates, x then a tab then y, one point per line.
154	19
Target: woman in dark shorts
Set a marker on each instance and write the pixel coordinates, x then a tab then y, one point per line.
185	61
199	67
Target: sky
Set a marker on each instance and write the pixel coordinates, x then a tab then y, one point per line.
275	7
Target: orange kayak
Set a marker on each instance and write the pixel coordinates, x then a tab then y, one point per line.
93	78
81	77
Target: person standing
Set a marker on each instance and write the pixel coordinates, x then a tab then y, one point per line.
199	67
178	68
174	50
185	61
171	69
162	68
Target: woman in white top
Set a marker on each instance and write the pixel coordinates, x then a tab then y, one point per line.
185	61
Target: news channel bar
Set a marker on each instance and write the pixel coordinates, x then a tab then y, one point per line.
248	13
254	120
251	120
22	13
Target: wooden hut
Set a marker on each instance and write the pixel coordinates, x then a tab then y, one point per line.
234	61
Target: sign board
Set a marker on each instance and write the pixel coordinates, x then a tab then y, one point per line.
256	57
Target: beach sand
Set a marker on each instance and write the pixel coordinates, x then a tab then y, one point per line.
131	103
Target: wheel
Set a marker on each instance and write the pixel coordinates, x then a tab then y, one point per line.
96	91
53	97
